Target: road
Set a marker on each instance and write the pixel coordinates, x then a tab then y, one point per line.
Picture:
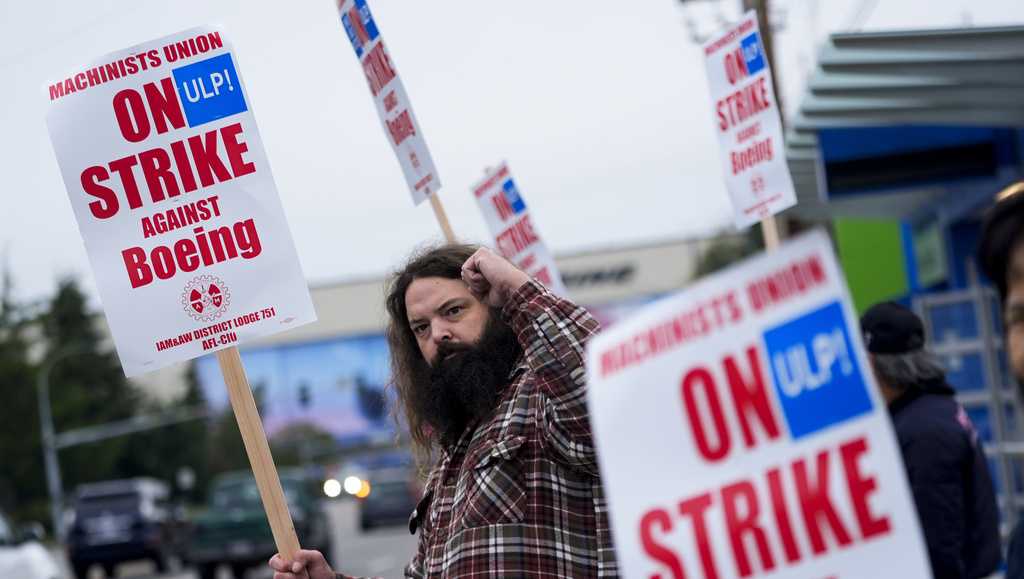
380	552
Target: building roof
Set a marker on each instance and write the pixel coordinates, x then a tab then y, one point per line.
964	77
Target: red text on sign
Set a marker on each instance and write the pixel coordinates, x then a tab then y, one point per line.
756	153
754	509
729	37
207	248
695	322
743	104
133	114
543	275
378	68
706	413
96	75
221	340
749	132
502	206
491	181
401	128
517	238
180	216
736	66
194	46
527	262
793	280
198	156
390	101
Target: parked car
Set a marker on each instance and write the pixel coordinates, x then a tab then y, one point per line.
122	520
393	494
234	531
22	555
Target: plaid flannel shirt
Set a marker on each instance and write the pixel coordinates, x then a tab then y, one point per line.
519	495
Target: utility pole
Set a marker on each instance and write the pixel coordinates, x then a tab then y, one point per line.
50	462
49	439
768	40
770	227
305	453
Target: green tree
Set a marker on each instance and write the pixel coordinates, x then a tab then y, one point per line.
726	250
22	480
163	451
87	385
290	444
226	451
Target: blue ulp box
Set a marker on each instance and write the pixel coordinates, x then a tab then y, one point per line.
752	55
816	372
512	195
209	90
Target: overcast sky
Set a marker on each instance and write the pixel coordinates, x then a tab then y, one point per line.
600	108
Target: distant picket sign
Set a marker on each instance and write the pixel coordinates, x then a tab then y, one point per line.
740	432
393	106
174	198
515	234
749	127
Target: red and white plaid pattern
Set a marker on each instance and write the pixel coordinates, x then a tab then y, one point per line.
520	494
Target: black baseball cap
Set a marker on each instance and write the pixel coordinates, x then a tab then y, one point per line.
890	328
1001	230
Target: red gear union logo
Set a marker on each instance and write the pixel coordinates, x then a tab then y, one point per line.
205	298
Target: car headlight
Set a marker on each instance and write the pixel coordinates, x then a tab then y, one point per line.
332	488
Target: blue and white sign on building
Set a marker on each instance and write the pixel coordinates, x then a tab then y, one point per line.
740	432
515	235
748	122
393	106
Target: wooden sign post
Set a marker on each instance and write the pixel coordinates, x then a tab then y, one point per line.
770	231
442	217
255	439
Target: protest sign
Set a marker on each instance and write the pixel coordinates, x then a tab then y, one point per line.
515	235
748	123
740	432
393	104
174	198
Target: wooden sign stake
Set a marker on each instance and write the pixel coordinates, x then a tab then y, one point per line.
258	449
770	231
442	218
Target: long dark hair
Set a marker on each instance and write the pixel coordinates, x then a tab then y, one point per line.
406	359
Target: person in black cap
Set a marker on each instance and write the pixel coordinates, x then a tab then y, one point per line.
945	464
1001	254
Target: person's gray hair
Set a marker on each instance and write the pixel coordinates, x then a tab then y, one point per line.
901	371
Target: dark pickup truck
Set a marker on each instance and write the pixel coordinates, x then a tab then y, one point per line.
233	530
123	520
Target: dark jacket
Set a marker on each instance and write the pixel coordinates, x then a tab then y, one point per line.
1015	553
950	482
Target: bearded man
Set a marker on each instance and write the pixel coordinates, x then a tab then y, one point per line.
488	367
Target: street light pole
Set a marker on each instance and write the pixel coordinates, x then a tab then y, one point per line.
52	465
768	40
305	396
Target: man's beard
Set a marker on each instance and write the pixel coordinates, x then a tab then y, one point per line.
462	388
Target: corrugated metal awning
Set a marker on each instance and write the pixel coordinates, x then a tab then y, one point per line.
971	77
